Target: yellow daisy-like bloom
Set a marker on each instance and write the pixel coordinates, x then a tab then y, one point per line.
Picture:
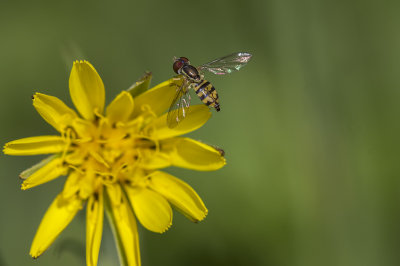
112	159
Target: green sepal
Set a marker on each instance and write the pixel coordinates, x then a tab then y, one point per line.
141	85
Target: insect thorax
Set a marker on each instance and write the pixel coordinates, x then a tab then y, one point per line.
191	73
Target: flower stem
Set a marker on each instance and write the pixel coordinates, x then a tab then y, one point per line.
111	218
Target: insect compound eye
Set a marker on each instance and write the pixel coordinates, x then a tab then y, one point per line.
184	59
177	65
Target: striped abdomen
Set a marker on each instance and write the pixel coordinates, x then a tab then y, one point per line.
207	94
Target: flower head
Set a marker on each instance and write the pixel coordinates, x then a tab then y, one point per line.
112	159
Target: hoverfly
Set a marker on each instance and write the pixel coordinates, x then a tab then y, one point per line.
193	78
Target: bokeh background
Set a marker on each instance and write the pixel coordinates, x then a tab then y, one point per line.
310	127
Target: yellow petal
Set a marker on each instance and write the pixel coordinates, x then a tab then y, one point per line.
54	111
152	210
197	115
192	154
86	89
158	98
185	153
71	185
84	129
48	172
155	160
124	227
28	172
115	194
180	194
57	217
94	227
35	145
120	108
87	184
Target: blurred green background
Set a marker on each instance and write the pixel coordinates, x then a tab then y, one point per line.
310	127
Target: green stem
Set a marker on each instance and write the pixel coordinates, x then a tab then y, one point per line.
111	218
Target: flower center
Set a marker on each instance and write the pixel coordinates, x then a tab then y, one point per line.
106	152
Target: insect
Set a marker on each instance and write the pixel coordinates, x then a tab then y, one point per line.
193	78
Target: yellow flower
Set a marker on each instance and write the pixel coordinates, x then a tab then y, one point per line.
112	159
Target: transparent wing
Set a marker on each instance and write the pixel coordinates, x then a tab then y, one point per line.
178	109
227	64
